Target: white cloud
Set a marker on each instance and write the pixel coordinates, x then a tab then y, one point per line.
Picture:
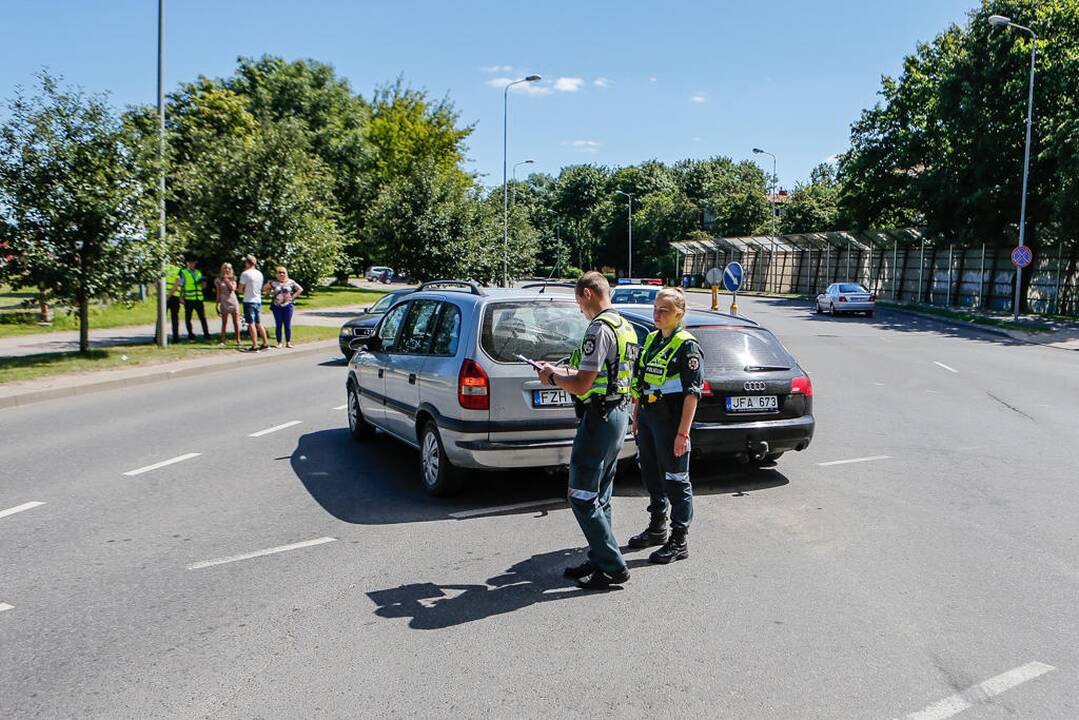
496	68
652	79
587	146
697	139
698	97
601	82
531	88
567	84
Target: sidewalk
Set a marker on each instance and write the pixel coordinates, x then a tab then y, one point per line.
66	341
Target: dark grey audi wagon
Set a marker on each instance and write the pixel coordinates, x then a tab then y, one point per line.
758	402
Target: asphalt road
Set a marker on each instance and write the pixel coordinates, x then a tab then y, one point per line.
919	557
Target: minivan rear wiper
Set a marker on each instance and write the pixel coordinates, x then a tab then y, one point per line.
765	368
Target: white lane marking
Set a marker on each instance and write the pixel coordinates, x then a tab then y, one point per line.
275	428
5	606
980	693
855	460
935	392
163	463
505	508
341	407
260	553
946	367
20	508
879	384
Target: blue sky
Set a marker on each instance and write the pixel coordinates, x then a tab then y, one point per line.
623	82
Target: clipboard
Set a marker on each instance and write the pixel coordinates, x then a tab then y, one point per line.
533	363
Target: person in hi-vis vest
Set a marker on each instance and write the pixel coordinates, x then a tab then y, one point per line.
191	285
598	376
667	385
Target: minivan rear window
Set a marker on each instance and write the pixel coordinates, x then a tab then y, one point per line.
538	330
734	349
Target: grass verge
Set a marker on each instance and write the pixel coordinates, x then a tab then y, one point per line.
33	367
145	312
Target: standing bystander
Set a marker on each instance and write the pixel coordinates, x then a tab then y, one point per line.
283	292
250	287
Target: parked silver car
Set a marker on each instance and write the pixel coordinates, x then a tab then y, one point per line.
375	273
842	298
441	373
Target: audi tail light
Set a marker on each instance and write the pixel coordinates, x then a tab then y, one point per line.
473	387
872	298
706	390
802	386
842	298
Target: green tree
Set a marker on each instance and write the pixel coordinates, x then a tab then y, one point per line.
264	194
76	198
813	207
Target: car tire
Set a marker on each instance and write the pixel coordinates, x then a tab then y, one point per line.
819	311
440	478
358	427
831	309
869	314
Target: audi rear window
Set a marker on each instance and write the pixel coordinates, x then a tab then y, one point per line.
741	350
538	330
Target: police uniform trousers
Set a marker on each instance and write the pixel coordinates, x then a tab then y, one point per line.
665	476
195	306
593	464
173	305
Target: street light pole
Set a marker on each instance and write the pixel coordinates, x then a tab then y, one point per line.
758	151
513	199
1006	22
505	189
629	272
162	333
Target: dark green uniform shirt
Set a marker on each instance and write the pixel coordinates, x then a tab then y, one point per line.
688	361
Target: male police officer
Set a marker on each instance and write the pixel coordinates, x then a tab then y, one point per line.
190	284
599	377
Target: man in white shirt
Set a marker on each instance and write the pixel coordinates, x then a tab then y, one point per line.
250	284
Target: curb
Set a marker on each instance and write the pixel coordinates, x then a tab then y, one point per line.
161	375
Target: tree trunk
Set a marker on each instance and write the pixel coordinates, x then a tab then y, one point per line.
84	323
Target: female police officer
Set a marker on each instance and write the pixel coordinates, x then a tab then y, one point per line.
667	384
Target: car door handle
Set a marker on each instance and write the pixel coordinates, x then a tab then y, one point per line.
381	371
412	378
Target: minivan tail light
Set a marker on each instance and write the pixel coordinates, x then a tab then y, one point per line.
473	387
802	386
706	390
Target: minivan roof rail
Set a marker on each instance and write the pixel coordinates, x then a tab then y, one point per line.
545	285
470	284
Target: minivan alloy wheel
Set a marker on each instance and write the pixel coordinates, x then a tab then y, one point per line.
430	459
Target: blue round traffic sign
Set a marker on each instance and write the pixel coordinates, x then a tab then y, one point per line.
733	277
1022	256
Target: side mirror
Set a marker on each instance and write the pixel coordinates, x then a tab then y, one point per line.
371	343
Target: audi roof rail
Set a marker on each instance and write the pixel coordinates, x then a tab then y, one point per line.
470	284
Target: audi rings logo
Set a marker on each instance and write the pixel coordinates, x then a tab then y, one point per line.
755	385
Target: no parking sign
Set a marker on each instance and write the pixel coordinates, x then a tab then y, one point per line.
1022	256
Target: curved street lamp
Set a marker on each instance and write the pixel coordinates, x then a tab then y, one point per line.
513	199
1001	21
629	272
758	151
505	189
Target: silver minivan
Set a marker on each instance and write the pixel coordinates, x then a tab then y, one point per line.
442	373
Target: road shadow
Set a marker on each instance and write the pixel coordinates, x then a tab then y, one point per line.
431	606
891	319
377	482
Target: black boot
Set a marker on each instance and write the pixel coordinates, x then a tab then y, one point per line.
576	572
677	548
600	580
654	534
